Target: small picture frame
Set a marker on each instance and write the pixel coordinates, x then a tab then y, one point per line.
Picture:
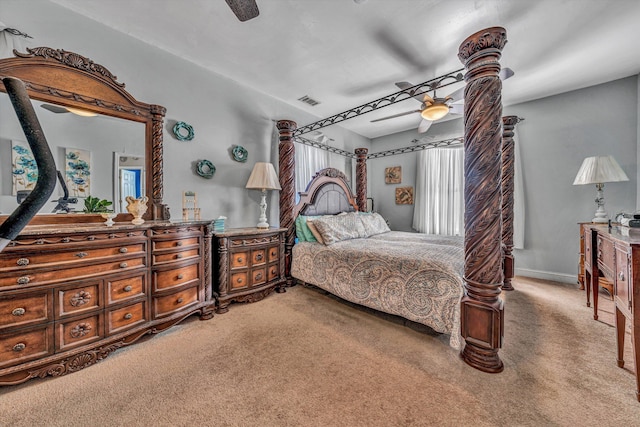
393	175
404	195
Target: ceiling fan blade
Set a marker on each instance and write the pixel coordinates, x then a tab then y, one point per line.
424	126
457	95
244	9
396	115
505	73
407	85
456	108
54	108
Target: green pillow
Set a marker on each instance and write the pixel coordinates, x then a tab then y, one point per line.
299	232
302	229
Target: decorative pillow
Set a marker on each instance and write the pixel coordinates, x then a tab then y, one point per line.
302	229
374	224
340	227
314	231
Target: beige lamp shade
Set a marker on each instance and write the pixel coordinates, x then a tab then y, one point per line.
598	170
263	177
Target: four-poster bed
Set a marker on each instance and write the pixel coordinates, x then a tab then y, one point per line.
481	309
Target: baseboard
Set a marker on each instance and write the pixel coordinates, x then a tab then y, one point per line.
547	275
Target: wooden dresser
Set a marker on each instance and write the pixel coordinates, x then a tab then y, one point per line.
585	252
71	295
250	264
615	253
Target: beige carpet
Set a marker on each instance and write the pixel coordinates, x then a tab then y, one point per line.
304	359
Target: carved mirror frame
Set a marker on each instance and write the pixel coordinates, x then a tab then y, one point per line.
66	78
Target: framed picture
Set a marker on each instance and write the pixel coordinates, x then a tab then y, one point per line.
23	167
404	195
78	172
393	175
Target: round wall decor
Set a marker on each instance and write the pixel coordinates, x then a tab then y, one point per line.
205	169
183	131
240	154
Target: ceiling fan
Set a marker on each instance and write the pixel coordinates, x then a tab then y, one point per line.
435	108
244	9
58	110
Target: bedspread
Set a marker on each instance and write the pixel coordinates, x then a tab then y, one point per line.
416	276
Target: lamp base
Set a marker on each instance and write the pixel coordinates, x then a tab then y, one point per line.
600	220
262	226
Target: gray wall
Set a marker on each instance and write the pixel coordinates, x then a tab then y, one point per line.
222	112
557	134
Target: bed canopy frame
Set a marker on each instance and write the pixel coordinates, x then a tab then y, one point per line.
489	170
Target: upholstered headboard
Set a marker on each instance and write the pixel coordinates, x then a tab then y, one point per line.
328	193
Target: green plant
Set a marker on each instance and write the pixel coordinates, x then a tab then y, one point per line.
96	205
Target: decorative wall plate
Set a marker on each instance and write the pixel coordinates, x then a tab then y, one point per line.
240	154
183	131
205	169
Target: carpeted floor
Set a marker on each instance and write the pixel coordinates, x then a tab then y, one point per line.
304	359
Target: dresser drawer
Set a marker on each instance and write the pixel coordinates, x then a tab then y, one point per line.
120	319
274	254
76	332
26	345
21	310
273	272
258	276
605	255
622	284
239	260
167	279
72	300
43	277
182	242
119	290
239	280
258	257
68	258
173	303
163	258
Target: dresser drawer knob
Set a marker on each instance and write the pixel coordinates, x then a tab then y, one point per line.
239	259
18	311
259	257
123	250
123	265
79	299
599	254
180	276
179	256
22	262
81	254
23	280
178	243
621	276
128	316
239	280
259	276
127	288
180	301
274	271
274	253
19	347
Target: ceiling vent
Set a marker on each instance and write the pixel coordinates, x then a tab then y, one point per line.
309	101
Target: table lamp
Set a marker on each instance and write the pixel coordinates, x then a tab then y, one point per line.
598	170
263	177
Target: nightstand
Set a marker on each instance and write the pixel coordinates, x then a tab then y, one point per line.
248	264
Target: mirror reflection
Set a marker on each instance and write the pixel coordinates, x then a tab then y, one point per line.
97	156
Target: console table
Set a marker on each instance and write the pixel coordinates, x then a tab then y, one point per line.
615	252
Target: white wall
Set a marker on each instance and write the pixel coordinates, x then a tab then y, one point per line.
557	134
222	112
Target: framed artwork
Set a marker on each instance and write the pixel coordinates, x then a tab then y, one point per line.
24	171
404	195
78	171
393	175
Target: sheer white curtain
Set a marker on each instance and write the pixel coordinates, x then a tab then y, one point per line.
439	199
309	160
518	198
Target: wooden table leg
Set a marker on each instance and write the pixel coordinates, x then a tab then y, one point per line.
594	290
587	286
620	325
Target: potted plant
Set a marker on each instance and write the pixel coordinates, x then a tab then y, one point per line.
96	205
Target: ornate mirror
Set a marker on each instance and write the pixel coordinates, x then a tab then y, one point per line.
61	81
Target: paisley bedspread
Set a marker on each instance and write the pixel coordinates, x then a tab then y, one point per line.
416	276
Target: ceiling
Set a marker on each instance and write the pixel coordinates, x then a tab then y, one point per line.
344	53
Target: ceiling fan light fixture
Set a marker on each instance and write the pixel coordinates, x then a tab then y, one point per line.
435	111
80	112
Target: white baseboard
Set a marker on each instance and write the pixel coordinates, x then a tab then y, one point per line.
547	275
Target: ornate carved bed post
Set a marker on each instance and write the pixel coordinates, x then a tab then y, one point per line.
160	210
361	178
482	309
287	177
508	171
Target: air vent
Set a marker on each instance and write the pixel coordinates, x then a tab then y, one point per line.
309	101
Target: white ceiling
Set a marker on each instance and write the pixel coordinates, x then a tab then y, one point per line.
345	53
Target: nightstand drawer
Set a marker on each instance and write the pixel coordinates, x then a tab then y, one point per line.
126	317
258	257
175	277
605	254
239	280
239	260
26	345
274	254
20	310
170	304
258	276
273	272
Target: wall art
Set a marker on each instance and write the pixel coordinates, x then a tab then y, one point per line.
77	171
404	195
23	166
183	131
205	169
393	175
240	154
